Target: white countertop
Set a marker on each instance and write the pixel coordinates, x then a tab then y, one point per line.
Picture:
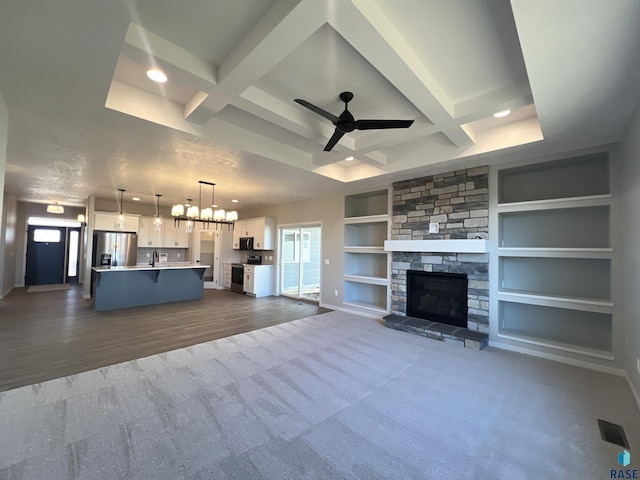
158	266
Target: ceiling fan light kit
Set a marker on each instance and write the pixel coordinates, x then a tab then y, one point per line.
345	123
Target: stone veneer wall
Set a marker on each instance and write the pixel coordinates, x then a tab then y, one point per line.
459	203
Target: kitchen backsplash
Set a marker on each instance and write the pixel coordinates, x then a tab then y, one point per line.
173	254
265	254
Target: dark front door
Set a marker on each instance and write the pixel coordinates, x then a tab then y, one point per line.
45	255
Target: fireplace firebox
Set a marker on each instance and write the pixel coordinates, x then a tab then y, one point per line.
437	296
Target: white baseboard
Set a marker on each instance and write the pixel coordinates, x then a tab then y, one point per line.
558	358
4	294
349	310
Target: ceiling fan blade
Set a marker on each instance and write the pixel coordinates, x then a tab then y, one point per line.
318	110
337	135
379	124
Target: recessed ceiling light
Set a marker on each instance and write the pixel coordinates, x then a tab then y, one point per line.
157	75
348	159
235	201
136	199
501	114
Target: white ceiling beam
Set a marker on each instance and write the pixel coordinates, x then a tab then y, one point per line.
146	47
279	32
364	26
287	24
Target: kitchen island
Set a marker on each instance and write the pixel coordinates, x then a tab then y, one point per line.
119	287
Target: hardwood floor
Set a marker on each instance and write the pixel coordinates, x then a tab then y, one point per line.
48	335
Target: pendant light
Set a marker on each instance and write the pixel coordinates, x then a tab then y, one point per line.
205	215
120	219
157	221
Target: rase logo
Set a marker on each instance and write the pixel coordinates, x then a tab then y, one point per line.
624	459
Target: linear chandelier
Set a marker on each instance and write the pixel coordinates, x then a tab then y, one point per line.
205	215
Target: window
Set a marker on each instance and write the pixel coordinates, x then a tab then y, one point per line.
43	235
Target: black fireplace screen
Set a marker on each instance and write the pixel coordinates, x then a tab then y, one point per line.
436	296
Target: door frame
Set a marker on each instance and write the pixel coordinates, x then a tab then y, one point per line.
216	283
278	262
68	223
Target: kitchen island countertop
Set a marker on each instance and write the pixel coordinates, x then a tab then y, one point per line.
158	266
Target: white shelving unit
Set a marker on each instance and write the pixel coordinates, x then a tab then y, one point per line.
366	264
555	255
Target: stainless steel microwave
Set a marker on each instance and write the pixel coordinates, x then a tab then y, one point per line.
246	243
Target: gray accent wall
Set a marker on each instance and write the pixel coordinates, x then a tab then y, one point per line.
628	176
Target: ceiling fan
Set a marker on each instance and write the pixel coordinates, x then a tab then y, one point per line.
345	123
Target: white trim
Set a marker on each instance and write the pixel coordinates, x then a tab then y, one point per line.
553	203
557	358
384	217
437	246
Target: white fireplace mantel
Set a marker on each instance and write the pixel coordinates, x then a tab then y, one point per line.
437	246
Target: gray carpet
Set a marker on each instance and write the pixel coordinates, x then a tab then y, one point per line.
330	396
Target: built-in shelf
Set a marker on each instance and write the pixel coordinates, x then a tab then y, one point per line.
366	264
578	328
555	256
367	219
556	252
575	303
582	227
555	203
354	249
548	343
579	176
437	246
367	279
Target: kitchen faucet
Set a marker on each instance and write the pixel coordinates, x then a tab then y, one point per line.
154	257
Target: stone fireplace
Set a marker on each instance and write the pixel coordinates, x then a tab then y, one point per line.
458	202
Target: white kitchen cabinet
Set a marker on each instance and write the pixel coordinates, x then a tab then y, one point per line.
147	235
258	280
106	221
261	229
263	235
237	233
247	227
174	235
226	275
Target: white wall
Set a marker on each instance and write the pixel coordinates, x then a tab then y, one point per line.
4	127
9	233
628	176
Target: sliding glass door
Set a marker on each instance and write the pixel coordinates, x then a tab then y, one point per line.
300	261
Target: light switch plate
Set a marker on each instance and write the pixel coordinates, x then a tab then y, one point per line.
434	227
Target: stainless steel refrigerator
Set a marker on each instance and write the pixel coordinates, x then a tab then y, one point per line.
114	249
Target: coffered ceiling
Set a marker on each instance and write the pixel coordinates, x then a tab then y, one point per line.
85	120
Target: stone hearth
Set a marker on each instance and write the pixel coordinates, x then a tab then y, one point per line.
438	331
